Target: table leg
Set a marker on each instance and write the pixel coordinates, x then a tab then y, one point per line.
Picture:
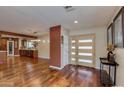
115	76
100	70
109	72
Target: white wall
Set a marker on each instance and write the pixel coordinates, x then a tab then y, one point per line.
120	60
120	68
44	46
64	48
101	40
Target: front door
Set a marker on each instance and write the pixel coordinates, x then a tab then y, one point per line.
10	48
83	50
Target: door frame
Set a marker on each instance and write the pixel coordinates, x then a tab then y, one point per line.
93	51
8	48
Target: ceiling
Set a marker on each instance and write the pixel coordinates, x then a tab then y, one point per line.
27	20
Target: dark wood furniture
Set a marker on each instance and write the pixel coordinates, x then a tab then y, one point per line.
107	80
16	34
3	44
29	53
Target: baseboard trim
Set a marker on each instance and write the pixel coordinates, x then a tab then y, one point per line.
43	57
96	67
16	55
54	67
2	51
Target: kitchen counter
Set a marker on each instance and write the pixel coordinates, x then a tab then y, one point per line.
33	53
28	49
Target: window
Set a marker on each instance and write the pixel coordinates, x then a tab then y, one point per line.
30	44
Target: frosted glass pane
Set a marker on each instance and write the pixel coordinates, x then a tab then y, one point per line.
85	47
85	54
73	41
73	53
84	60
73	59
84	41
73	47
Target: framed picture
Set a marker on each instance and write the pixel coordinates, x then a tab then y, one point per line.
118	30
110	34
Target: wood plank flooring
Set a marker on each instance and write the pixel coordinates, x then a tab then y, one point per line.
28	72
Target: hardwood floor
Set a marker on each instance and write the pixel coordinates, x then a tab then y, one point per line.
28	72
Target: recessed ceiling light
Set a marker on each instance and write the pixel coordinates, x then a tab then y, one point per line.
75	21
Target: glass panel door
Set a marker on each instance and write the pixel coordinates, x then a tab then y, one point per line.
83	50
10	48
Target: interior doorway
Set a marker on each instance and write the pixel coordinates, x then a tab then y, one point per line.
83	50
10	48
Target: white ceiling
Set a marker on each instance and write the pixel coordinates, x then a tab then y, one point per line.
39	19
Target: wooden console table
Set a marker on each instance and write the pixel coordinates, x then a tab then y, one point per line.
106	81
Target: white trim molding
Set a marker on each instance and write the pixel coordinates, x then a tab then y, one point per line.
97	67
44	57
54	67
16	55
8	48
2	51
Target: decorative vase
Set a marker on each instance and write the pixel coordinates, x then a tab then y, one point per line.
109	54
